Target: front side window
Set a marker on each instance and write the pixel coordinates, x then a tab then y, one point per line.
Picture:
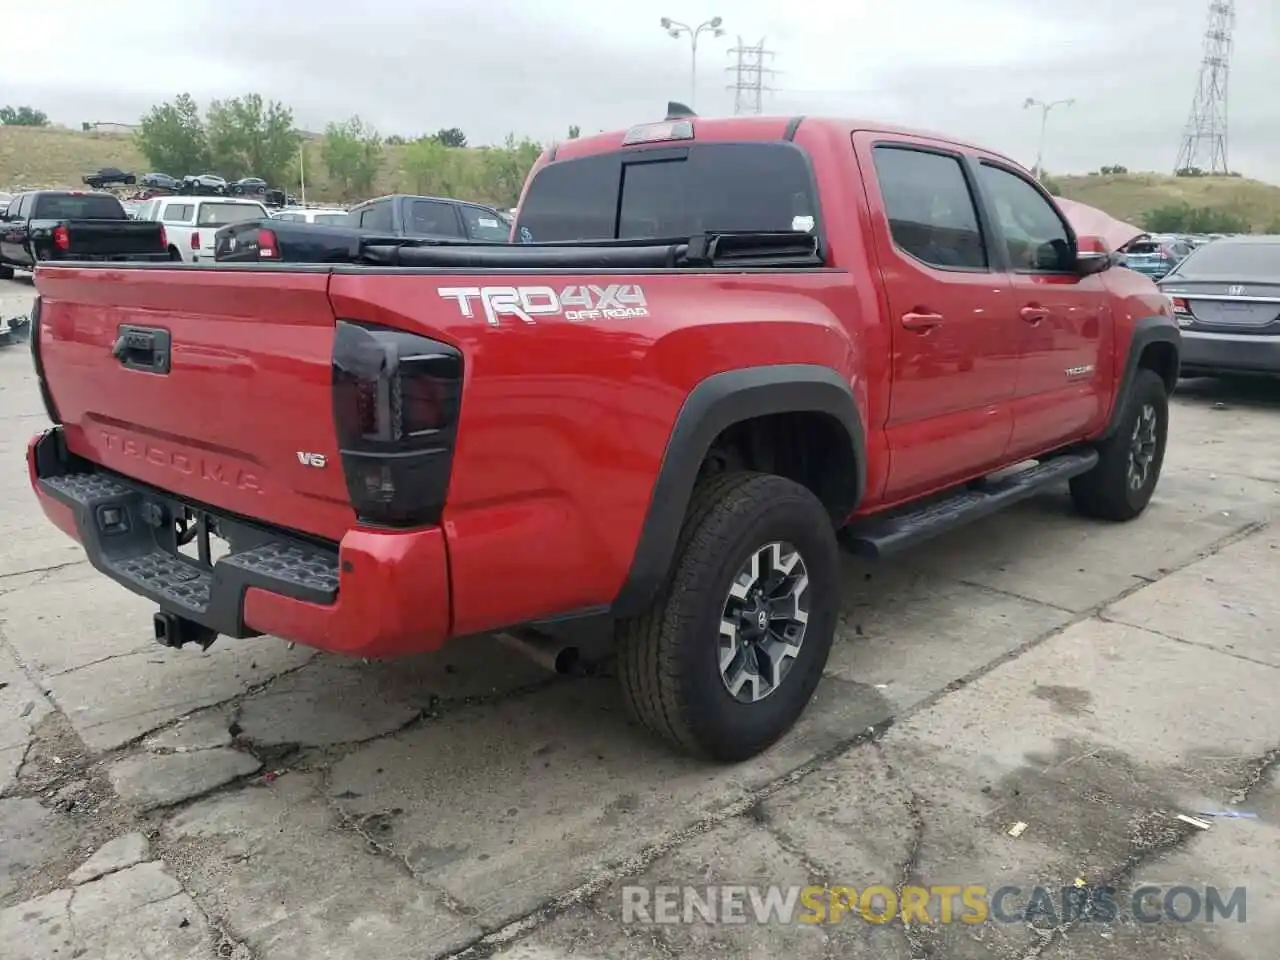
932	215
1037	238
485	225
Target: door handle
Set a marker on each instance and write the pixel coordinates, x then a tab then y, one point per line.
1033	315
921	321
142	348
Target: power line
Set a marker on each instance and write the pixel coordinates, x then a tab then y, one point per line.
750	74
1204	140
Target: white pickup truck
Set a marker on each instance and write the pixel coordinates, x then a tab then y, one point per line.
190	221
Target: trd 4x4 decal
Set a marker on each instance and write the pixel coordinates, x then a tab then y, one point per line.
618	301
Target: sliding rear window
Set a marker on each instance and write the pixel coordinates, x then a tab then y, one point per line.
668	193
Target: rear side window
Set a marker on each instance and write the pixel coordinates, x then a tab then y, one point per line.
377	216
431	218
84	206
221	214
671	193
178	212
333	219
932	215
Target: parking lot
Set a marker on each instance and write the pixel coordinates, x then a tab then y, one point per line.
1030	701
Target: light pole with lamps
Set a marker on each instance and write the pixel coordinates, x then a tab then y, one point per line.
676	30
1044	123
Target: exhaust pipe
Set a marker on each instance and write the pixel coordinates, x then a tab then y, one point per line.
546	651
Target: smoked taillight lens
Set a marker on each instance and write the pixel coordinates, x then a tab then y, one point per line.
396	399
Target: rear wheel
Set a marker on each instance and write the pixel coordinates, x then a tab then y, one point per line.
729	653
1129	461
6	273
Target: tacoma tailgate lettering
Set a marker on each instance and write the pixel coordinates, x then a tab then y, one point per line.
618	301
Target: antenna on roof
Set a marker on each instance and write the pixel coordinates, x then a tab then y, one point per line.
678	111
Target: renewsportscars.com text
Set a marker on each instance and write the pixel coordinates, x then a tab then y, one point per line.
969	904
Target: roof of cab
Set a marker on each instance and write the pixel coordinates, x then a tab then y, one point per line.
756	128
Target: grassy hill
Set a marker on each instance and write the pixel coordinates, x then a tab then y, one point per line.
1129	196
57	157
32	157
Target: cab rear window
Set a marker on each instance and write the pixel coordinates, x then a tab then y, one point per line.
670	193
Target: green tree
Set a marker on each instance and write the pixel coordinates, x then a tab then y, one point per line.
575	131
1114	169
504	169
1050	184
249	136
1184	218
172	138
450	137
434	169
23	117
352	153
1273	228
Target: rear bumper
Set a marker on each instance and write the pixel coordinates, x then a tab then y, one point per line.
1229	353
377	593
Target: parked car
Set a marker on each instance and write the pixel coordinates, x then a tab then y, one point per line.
405	215
1226	297
331	217
248	186
655	422
1155	256
160	181
438	219
50	225
109	176
205	184
191	222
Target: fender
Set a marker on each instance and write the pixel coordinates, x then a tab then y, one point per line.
1157	328
714	404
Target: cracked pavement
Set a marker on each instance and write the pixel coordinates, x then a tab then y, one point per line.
1089	681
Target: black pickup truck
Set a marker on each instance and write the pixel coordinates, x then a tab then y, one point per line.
399	216
71	225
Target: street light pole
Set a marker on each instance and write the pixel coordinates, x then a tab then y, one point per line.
1044	125
675	29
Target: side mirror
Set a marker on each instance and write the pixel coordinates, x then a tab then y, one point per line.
1088	264
1092	256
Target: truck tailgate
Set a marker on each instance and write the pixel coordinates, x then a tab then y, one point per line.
112	238
243	414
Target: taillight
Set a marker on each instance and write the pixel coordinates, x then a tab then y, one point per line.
396	398
1180	305
164	238
50	409
268	245
62	237
195	240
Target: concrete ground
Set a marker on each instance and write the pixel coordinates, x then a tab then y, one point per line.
1087	681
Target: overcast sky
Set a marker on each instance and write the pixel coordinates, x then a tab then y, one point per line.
491	67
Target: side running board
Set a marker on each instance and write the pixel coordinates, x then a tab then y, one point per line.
881	537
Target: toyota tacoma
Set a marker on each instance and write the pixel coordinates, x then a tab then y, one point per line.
724	347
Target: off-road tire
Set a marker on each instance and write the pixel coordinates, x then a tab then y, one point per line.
1105	491
668	661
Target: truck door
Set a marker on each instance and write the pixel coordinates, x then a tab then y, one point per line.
13	241
1065	318
953	327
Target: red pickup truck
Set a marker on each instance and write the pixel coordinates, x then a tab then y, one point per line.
715	345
